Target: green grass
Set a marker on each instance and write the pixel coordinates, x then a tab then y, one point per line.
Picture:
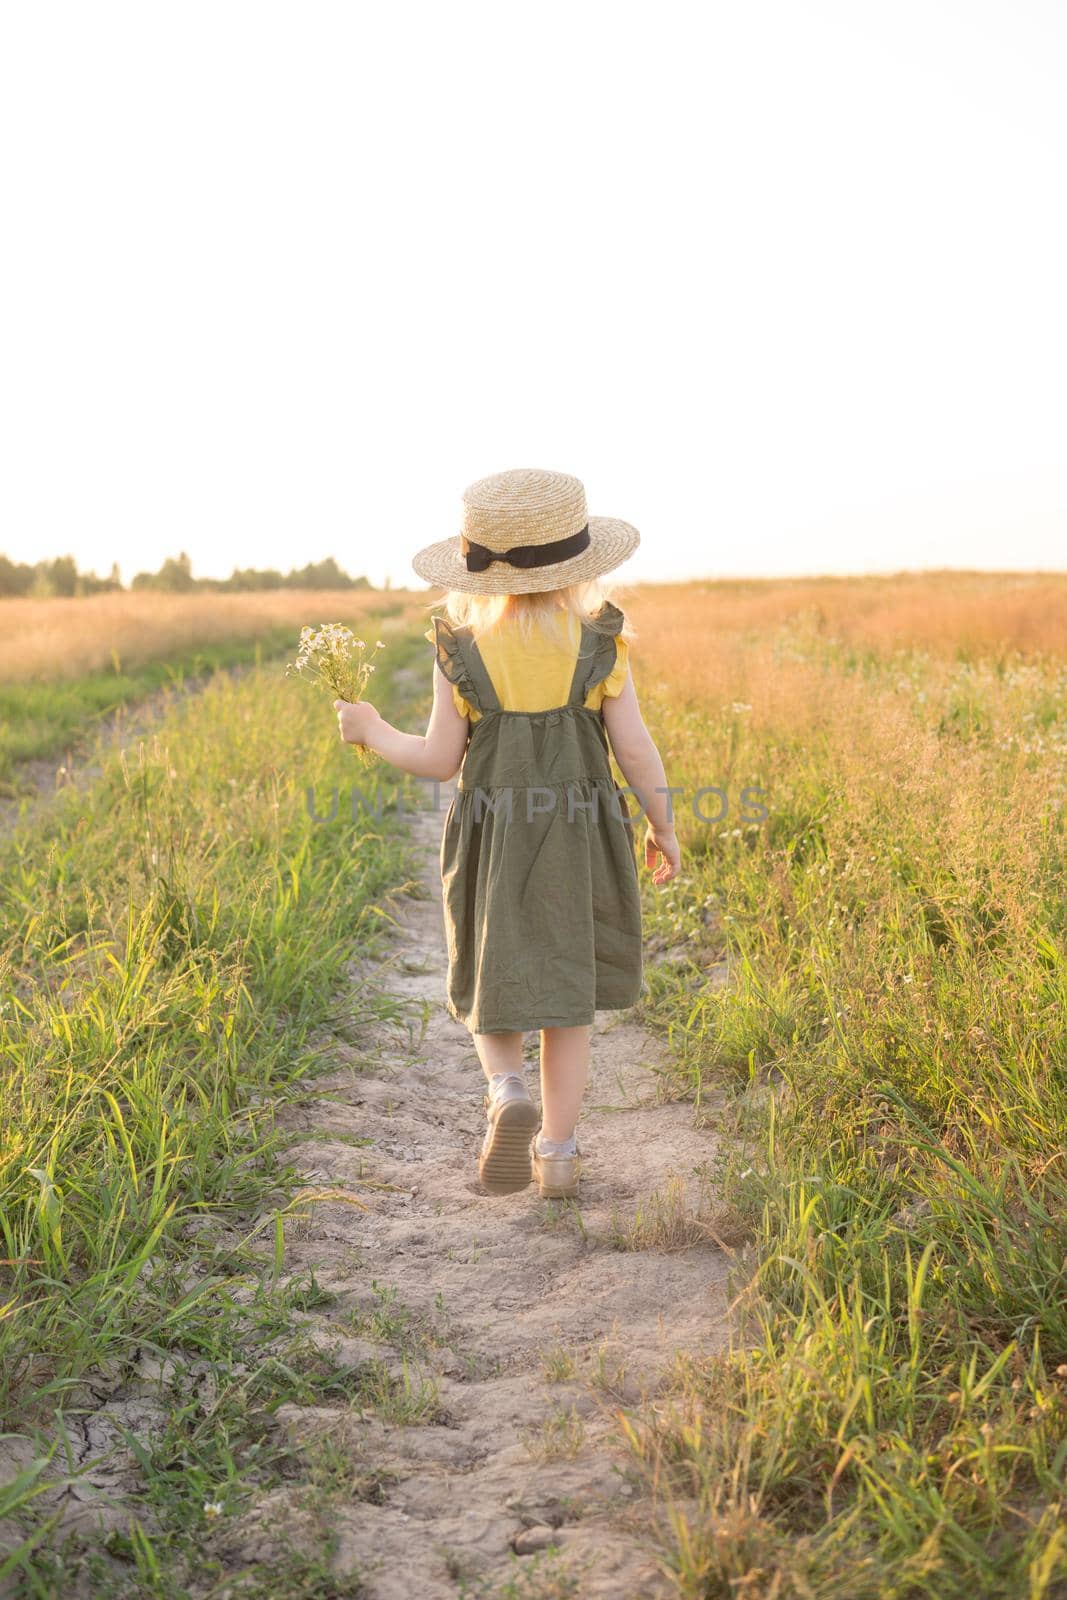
892	1420
172	941
47	719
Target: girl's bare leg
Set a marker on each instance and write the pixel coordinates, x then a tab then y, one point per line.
499	1052
564	1069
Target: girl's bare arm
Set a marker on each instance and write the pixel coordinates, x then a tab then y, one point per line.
435	754
642	767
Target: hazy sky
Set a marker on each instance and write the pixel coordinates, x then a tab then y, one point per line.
784	283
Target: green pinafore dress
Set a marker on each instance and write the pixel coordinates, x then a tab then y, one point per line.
541	901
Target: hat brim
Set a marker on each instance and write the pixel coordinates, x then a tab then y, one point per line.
611	542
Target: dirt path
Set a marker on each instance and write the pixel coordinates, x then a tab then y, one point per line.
521	1325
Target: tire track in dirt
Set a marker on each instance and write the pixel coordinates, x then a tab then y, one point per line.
519	1325
36	782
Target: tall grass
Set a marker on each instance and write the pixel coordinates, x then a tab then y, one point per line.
892	1419
170	938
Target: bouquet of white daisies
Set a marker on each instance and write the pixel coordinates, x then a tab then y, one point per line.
332	658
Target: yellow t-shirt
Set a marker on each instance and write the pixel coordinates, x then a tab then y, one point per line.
535	673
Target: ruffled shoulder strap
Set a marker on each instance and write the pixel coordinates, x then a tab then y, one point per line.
458	658
597	652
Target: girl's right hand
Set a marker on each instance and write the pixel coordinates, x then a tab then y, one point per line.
662	842
355	720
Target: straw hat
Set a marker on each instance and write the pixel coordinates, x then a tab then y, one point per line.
525	531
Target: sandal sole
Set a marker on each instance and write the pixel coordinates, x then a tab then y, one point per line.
507	1165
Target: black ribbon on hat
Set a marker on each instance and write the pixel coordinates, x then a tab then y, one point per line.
480	556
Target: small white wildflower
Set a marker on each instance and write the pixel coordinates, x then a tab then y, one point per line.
213	1509
378	645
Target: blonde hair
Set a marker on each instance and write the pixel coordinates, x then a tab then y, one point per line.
542	611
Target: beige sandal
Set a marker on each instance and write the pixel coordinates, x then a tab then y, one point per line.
504	1165
557	1176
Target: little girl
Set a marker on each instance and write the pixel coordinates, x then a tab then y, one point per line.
542	910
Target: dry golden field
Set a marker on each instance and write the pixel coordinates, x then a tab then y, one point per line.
946	613
53	639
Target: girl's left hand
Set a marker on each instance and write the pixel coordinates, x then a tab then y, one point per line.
662	842
355	720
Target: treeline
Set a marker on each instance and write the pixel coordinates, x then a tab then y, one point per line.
175	576
53	577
